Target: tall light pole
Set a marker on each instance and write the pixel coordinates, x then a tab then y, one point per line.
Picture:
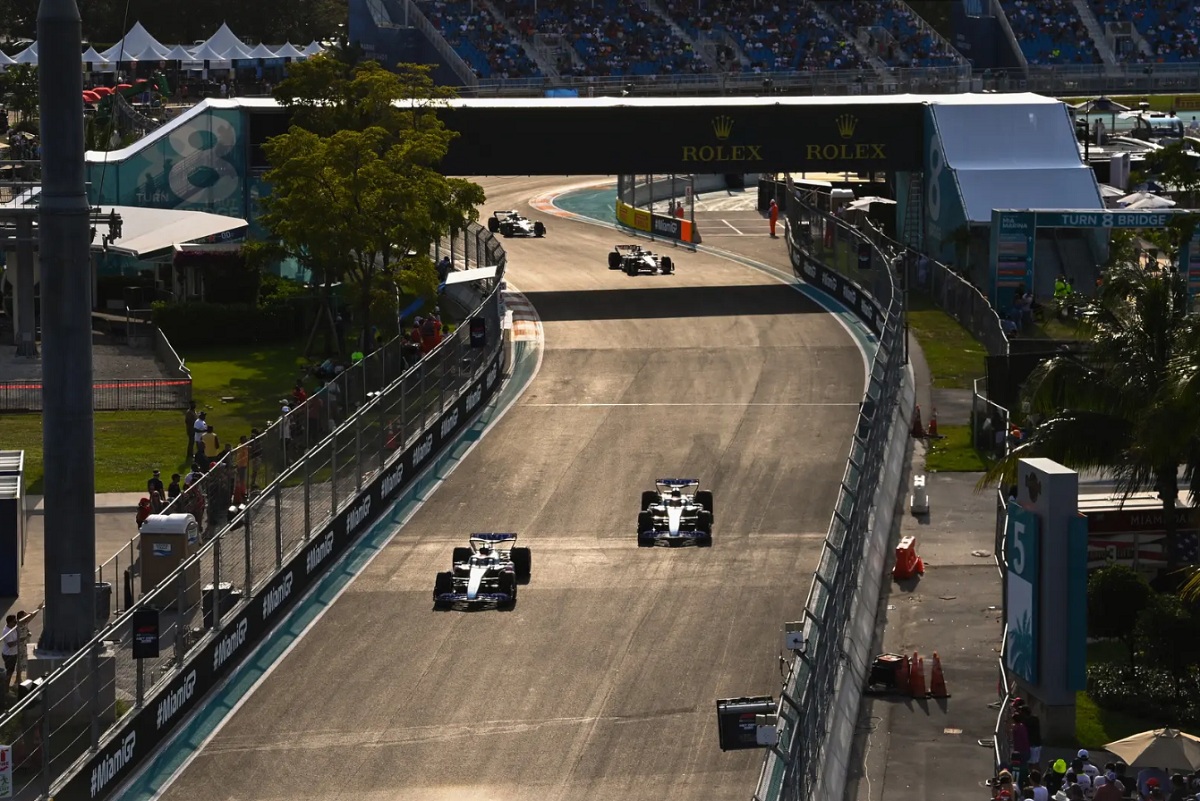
67	424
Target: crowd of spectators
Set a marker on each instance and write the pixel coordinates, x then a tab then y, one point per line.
905	43
775	36
481	39
1050	32
611	37
1169	26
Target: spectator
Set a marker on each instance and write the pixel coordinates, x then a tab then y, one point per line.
1086	764
10	639
241	458
199	427
1106	790
154	484
189	419
298	393
173	489
212	446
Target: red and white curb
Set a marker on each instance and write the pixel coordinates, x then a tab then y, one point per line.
521	317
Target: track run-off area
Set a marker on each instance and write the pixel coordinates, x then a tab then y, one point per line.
601	683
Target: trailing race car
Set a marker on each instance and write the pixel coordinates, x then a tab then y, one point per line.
677	511
634	259
485	574
511	223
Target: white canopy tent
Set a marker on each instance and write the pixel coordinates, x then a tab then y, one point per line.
93	58
314	48
237	52
206	52
5	59
261	51
180	53
224	40
137	42
27	56
289	50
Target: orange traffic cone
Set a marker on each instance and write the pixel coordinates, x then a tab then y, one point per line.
917	685
937	680
933	424
918	428
903	677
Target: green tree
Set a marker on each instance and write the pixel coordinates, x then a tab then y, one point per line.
1176	166
20	89
1125	407
1170	635
354	181
1116	597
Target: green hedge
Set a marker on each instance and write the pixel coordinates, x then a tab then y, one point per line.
192	325
1146	692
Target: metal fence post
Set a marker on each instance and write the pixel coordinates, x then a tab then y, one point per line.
333	447
278	527
181	619
307	495
140	696
248	536
216	591
358	465
94	702
47	778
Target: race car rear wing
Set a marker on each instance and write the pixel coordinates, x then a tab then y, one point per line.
678	482
498	537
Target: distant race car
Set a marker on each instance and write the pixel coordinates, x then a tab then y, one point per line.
511	223
634	259
486	574
676	512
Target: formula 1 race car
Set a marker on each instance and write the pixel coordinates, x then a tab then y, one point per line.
634	259
486	574
511	223
676	512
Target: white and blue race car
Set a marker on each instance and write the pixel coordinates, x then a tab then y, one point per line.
676	512
486	574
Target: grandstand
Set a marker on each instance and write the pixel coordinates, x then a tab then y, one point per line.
539	42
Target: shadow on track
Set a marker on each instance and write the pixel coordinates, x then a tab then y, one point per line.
654	297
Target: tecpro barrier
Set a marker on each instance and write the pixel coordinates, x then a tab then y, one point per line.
142	731
675	228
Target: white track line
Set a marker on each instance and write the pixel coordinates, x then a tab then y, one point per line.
731	225
321	613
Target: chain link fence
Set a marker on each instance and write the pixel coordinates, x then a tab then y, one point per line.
256	507
792	771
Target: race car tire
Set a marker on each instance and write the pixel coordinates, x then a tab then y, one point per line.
614	261
704	522
442	584
631	270
668	266
705	499
522	564
645	542
704	542
508	585
507	231
493	225
539	229
648	497
645	523
460	555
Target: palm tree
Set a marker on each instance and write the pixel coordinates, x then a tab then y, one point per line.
1126	408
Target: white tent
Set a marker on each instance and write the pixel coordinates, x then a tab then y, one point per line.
224	40
314	48
27	56
237	53
90	56
289	50
262	51
1145	200
138	42
206	52
6	59
179	53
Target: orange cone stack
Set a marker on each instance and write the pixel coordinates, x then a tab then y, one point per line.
917	685
908	563
937	681
933	424
903	677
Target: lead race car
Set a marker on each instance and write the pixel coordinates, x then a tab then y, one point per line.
634	259
676	512
512	223
485	574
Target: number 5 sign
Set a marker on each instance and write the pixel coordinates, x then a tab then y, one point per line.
1022	550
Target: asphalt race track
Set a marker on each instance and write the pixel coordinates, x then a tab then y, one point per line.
601	684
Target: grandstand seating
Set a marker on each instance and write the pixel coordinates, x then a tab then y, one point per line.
1169	26
612	37
1050	32
479	38
895	33
775	36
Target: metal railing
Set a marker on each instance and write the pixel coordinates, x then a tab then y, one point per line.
810	688
962	300
260	459
989	423
108	395
69	716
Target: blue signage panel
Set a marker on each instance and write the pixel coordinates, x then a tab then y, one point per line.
1012	253
1189	265
1023	540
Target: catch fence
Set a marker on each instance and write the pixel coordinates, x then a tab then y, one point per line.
309	475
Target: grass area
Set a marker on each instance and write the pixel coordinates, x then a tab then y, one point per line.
955	358
1094	725
1157	102
954	452
130	444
